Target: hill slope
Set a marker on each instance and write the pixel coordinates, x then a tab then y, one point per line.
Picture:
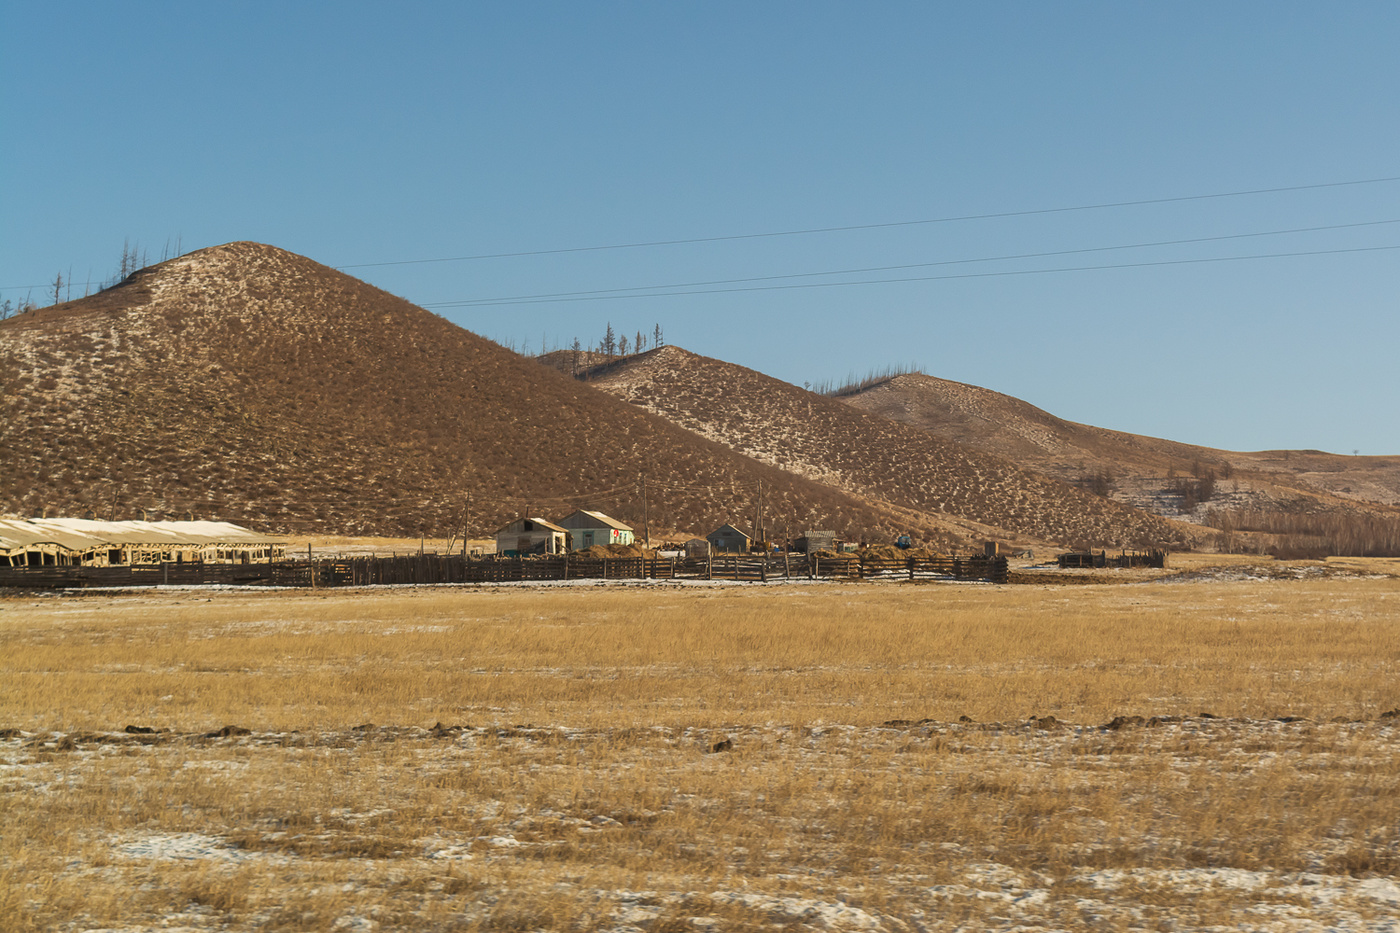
822	438
1141	466
250	384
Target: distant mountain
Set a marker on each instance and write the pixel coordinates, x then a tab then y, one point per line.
1140	470
835	443
249	384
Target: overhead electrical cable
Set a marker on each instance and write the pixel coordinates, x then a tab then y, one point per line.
876	226
620	292
925	278
839	229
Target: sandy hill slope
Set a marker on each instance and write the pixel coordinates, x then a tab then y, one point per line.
1141	467
249	384
827	440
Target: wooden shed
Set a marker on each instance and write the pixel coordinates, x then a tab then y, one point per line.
531	536
812	541
590	528
728	539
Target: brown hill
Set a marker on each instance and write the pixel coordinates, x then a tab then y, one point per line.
249	384
822	438
1142	468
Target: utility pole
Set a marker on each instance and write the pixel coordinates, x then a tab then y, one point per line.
758	513
646	523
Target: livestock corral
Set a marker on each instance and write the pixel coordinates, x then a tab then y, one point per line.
432	568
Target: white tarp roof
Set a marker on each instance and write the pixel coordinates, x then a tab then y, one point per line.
80	534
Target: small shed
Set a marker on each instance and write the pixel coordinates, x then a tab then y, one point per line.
590	528
812	541
531	536
697	548
728	539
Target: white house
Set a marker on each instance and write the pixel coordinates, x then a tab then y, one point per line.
531	536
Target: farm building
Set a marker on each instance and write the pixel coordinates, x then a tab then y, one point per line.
697	548
727	539
531	536
812	541
46	542
590	528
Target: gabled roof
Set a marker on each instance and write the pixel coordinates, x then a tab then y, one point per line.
544	523
81	534
734	528
600	520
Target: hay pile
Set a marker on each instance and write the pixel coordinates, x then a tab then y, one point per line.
606	551
890	552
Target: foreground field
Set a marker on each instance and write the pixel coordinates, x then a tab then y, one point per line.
1207	750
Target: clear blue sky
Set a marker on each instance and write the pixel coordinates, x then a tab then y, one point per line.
358	133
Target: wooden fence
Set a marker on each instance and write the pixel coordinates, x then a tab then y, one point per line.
168	574
1154	557
427	569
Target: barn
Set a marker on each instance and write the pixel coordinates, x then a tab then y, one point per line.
590	528
531	536
51	542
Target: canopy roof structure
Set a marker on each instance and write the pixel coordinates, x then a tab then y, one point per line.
80	534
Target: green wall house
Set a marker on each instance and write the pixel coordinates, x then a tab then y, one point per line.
589	528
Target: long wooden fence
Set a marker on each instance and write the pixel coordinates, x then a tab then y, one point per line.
427	569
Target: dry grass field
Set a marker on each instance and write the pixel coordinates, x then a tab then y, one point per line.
1206	750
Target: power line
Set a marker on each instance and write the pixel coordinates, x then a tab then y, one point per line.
838	229
926	278
619	292
878	226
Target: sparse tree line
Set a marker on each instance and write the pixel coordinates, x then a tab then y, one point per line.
1310	534
1199	487
134	257
613	345
855	384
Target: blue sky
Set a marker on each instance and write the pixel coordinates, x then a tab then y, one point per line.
370	136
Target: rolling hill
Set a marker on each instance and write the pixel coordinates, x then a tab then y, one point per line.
249	384
1142	471
827	440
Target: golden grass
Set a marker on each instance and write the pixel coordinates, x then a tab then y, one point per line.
579	788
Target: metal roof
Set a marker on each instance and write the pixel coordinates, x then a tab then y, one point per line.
544	523
603	521
80	534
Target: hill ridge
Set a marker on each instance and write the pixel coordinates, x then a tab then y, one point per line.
823	438
248	383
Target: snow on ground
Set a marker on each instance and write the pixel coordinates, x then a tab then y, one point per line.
944	887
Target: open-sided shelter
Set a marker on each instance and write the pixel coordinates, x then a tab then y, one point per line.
42	542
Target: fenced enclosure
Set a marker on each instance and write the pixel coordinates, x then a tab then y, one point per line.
1154	557
429	569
